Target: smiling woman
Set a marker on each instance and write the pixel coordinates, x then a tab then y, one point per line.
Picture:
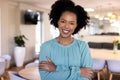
56	55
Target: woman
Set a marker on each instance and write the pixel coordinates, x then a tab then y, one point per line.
66	58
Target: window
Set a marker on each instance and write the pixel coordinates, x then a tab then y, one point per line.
54	31
39	33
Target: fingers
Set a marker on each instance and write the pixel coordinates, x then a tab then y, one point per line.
43	65
87	72
43	62
91	75
46	62
48	59
47	65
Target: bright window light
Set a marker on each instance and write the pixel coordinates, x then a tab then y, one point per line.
89	9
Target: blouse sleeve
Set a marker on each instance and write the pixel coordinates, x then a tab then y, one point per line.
73	71
44	51
86	57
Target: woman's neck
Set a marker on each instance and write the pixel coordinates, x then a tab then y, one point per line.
65	41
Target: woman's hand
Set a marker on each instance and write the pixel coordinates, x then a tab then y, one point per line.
87	72
47	65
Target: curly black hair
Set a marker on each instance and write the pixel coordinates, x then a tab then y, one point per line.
61	6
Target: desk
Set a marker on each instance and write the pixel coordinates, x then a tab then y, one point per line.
31	73
105	54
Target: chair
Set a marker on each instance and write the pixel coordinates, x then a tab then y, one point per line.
32	64
98	66
7	60
2	68
36	61
113	67
14	76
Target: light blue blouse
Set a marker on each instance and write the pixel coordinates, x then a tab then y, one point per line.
68	59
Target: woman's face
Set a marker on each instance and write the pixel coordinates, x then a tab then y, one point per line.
67	24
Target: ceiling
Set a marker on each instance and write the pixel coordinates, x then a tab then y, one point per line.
97	5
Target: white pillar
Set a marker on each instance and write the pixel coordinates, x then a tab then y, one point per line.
0	31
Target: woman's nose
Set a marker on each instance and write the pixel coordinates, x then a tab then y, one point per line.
67	25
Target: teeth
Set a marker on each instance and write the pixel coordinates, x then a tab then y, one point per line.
66	31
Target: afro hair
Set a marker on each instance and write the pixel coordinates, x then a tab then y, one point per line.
61	6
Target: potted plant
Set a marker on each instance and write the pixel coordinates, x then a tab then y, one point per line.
19	40
19	51
116	41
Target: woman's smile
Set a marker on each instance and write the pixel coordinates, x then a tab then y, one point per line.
65	31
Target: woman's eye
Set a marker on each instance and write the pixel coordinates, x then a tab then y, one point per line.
62	21
72	23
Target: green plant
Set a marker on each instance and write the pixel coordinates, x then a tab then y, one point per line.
116	41
19	40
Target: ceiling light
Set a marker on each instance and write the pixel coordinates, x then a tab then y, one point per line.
113	17
97	16
109	14
106	18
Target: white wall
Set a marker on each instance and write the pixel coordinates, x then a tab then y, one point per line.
29	30
10	21
0	31
46	25
8	26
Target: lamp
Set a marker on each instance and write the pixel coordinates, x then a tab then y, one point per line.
113	16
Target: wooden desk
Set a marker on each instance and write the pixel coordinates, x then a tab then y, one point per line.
31	73
105	54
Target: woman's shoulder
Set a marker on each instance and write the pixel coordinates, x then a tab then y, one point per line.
48	43
80	41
